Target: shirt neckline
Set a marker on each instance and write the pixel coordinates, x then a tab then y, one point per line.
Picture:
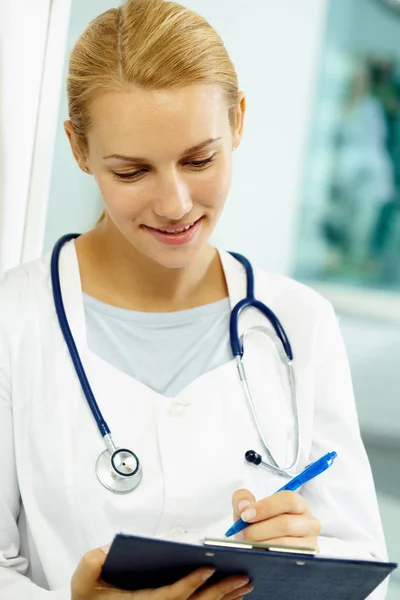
188	315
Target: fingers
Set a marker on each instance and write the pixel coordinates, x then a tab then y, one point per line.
284	515
304	542
186	587
229	588
85	579
241	500
239	593
286	525
272	506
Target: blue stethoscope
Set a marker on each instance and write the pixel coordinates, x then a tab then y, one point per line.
119	469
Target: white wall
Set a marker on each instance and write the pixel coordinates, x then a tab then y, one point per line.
22	46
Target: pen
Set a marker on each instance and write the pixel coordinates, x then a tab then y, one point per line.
316	468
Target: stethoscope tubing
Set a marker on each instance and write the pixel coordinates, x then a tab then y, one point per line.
69	339
251	301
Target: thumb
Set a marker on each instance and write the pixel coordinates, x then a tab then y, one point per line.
86	577
241	500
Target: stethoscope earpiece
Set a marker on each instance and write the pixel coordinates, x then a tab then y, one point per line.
252	457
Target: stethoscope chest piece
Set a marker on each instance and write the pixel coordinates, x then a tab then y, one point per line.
119	472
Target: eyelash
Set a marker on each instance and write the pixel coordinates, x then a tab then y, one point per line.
133	176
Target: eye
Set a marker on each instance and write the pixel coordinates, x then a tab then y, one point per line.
128	176
201	163
197	164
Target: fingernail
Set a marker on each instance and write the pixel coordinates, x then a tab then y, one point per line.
248	590
248	514
240	583
243	592
207	574
106	548
240	536
242	504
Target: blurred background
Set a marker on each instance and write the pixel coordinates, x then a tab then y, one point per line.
316	185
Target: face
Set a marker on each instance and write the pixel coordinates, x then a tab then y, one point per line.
162	161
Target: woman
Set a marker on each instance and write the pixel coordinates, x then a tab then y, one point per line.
154	113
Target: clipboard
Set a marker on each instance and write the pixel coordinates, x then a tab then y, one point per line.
135	563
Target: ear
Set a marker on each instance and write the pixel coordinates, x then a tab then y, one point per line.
76	145
239	123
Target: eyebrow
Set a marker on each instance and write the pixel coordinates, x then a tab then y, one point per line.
137	159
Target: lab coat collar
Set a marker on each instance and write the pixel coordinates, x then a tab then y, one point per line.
235	276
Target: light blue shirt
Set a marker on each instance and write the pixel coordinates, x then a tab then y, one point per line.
164	351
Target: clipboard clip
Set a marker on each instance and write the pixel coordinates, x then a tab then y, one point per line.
225	543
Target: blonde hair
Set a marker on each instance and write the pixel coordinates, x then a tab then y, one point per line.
151	44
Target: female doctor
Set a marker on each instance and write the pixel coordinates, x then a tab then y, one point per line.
154	112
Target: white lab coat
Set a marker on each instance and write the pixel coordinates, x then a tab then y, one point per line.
191	446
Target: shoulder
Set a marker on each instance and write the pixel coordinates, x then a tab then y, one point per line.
24	274
20	285
289	293
302	311
284	294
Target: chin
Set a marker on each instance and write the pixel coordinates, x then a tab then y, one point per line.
176	259
174	256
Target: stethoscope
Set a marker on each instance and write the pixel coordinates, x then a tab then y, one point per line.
119	469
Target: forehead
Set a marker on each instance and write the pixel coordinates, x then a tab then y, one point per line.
188	115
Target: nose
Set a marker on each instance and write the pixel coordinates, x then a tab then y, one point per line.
173	199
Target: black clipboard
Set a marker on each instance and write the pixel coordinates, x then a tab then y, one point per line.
135	563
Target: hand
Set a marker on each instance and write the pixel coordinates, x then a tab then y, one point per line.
283	518
87	585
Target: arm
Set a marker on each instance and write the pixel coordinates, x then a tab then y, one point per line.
14	585
343	499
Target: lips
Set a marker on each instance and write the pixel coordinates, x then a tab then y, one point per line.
177	235
175	228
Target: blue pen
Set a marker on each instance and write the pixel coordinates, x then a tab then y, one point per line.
316	468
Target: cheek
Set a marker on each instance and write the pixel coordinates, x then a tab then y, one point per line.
213	191
122	199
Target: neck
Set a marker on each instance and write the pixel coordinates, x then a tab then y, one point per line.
113	271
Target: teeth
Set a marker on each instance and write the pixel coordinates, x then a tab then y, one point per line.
176	230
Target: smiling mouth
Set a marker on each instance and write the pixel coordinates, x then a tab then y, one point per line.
175	229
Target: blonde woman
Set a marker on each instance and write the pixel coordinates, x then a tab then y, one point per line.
154	114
